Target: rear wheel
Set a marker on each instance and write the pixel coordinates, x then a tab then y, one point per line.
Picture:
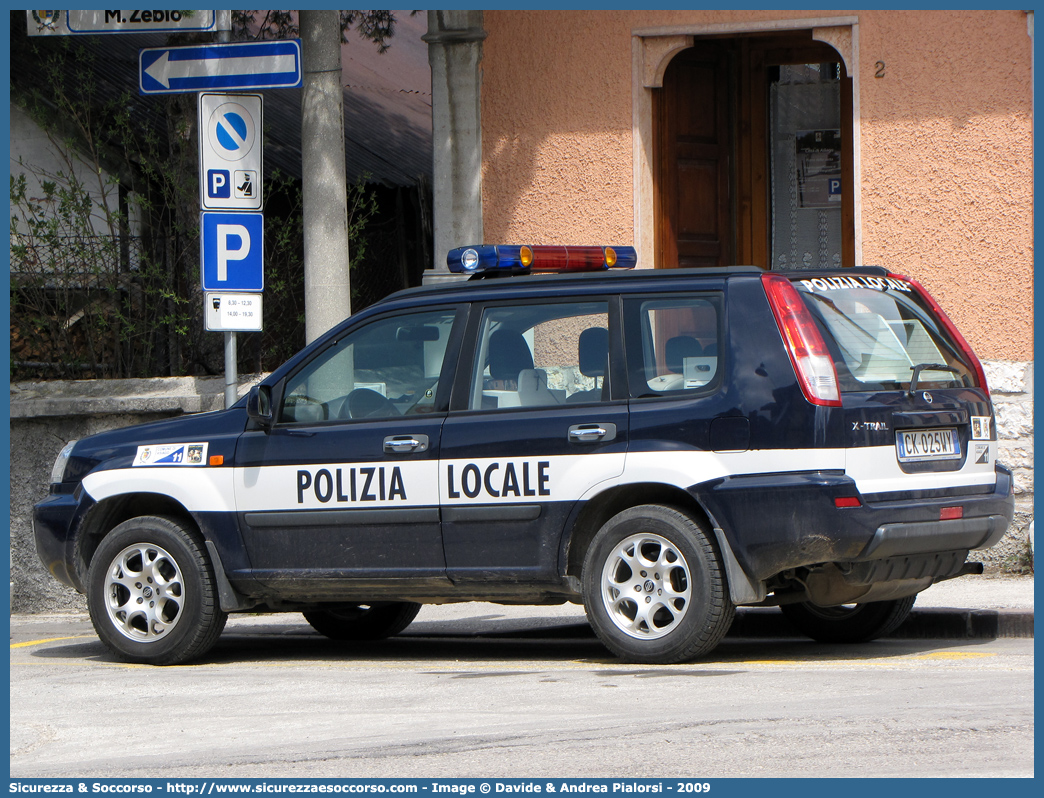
849	623
363	621
654	587
151	593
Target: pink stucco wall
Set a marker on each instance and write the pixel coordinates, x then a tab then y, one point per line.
556	122
945	136
948	166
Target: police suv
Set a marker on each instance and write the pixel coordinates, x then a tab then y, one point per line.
661	445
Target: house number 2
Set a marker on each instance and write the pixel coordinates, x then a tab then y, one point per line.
880	67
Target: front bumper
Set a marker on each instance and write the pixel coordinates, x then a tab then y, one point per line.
54	521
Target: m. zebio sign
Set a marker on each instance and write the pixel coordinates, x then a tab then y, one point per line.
89	23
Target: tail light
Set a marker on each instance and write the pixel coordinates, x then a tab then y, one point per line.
954	333
808	353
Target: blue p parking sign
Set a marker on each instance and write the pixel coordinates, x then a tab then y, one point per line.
232	251
219	186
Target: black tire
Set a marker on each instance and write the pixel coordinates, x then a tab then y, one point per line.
363	621
674	605
849	623
151	593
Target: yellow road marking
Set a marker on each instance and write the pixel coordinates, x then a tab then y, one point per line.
612	665
774	661
48	640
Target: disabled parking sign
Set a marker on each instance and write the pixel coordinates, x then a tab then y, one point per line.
232	251
230	151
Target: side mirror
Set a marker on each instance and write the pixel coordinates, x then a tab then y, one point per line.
259	405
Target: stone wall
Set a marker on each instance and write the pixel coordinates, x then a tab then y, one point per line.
1011	387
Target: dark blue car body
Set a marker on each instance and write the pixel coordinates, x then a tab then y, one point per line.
799	500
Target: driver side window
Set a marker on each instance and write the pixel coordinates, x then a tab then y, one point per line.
390	367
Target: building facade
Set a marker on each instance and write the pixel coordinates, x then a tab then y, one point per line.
784	139
678	131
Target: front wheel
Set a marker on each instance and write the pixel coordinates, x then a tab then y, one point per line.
654	586
363	621
849	623
151	593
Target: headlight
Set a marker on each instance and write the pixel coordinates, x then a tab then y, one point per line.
58	472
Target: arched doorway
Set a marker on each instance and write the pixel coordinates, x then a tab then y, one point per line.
752	154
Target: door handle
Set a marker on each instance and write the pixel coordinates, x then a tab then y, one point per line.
403	444
592	433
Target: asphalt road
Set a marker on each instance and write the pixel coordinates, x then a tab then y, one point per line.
534	695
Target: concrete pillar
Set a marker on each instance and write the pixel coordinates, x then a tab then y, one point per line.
455	53
325	191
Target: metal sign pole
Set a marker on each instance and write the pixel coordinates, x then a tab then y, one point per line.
223	34
231	370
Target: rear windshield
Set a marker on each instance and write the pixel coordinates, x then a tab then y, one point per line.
879	331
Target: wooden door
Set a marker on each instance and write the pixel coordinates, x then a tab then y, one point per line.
693	218
712	161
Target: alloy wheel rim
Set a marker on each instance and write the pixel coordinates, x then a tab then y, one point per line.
144	593
646	586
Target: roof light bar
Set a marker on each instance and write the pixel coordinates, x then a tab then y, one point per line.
498	258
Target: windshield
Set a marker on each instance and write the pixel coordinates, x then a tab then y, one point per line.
879	331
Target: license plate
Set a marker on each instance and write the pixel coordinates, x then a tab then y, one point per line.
928	444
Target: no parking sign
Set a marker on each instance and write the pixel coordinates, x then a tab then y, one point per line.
230	151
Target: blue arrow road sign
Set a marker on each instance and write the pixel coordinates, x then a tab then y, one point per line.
239	65
232	251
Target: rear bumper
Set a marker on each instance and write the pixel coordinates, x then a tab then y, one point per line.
775	522
926	537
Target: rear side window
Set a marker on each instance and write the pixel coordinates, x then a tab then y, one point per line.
541	355
673	344
879	331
